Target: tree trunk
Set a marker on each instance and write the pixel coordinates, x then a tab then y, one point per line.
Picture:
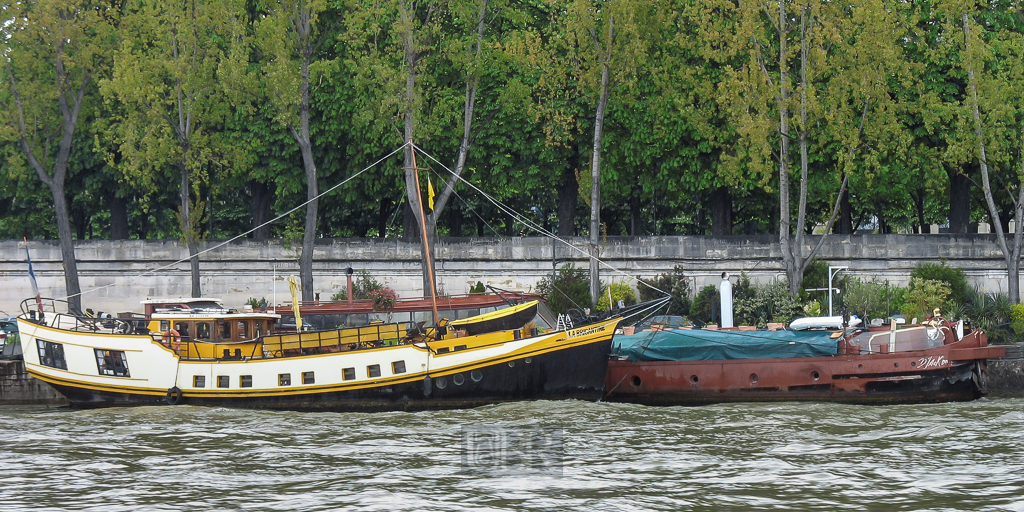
187	233
412	188
312	190
785	230
1011	257
262	199
383	212
568	196
118	217
721	211
635	212
845	225
69	118
595	183
959	200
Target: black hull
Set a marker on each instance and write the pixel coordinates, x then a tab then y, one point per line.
573	373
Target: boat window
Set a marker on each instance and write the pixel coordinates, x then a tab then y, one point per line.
164	324
348	374
112	363
203	330
398	367
182	329
199	381
258	329
225	330
307	378
242	331
51	354
245	381
223	381
284	379
460	347
373	370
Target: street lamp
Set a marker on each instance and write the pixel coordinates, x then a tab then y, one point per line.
832	271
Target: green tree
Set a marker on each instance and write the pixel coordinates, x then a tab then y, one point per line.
53	53
165	76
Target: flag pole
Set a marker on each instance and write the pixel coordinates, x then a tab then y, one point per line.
32	277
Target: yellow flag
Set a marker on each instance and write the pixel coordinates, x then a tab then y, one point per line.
430	193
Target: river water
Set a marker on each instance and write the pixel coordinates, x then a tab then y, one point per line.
595	456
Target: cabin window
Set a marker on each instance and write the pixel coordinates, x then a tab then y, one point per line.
398	367
203	330
112	363
245	381
164	325
51	354
225	330
199	381
258	329
443	350
284	379
348	374
460	347
373	370
182	329
242	331
307	378
223	381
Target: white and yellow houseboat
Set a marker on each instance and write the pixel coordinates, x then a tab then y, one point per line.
201	353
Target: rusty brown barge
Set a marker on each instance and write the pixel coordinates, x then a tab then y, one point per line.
878	365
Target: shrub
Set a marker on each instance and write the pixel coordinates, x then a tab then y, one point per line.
767	303
868	299
703	308
619	291
477	288
923	296
675	284
953	277
570	289
816	276
1017	319
383	298
361	287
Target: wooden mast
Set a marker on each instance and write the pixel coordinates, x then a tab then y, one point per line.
426	244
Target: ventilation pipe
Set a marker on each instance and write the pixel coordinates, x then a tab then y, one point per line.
726	292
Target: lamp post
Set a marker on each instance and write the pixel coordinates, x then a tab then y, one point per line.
832	271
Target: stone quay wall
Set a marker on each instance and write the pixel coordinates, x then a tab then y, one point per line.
116	275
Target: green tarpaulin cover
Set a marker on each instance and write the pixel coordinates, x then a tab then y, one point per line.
696	345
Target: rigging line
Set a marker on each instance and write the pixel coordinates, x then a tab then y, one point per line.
275	219
529	223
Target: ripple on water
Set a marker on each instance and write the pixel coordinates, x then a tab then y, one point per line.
614	457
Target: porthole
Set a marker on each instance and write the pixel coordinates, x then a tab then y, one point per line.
913	363
476	375
529	360
511	364
694	379
753	379
441	382
636	380
458	379
896	365
815	375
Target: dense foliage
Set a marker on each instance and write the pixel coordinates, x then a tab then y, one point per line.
676	284
690	141
570	289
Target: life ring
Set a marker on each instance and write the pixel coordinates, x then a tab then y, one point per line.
174	396
172	339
